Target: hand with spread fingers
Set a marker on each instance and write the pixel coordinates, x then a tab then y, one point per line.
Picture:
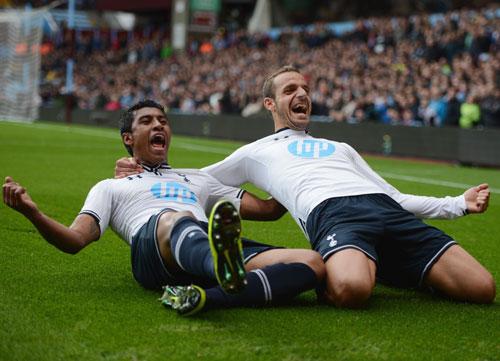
477	198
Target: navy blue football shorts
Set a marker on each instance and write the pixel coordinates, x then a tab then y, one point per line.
403	246
151	272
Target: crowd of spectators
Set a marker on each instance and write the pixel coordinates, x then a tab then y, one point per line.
421	70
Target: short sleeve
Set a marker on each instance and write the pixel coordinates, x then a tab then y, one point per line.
98	204
232	169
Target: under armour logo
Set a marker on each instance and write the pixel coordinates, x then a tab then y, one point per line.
333	241
186	179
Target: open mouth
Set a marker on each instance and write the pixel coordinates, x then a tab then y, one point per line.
300	108
158	140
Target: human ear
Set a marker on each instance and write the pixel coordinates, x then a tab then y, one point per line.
127	138
269	104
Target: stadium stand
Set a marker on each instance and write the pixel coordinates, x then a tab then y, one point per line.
440	70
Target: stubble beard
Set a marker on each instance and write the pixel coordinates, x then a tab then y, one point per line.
288	121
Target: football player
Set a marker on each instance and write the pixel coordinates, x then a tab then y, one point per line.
161	214
365	229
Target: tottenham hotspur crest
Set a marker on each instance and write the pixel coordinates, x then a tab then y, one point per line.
331	238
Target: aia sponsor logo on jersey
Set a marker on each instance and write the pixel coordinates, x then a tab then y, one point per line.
311	148
173	191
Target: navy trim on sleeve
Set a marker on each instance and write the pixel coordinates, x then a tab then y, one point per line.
93	215
240	194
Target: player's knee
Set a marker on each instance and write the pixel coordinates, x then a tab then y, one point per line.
175	216
169	219
314	260
485	290
167	222
350	293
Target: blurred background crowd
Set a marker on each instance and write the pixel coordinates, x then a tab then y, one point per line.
422	70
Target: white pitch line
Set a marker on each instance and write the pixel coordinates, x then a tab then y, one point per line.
202	148
114	135
443	183
223	151
71	129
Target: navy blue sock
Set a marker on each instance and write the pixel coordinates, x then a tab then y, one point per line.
190	248
272	284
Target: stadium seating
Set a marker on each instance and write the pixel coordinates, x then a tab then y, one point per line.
418	71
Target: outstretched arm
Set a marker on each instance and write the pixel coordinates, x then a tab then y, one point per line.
127	166
256	209
82	231
474	200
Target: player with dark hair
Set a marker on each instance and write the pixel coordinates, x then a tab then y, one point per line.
364	228
161	215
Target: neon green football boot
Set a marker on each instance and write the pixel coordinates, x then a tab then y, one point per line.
186	300
224	228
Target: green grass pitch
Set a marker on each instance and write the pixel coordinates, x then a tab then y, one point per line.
55	306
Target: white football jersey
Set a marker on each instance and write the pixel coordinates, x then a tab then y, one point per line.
127	204
301	171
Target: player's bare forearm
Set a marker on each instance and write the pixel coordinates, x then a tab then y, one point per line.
83	231
256	209
68	239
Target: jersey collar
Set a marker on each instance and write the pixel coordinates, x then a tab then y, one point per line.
280	130
155	169
287	128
